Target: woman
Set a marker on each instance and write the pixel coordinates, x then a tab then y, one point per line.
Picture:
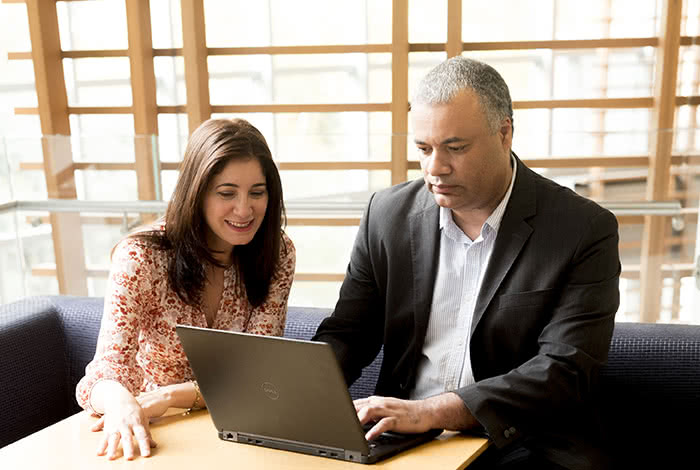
219	259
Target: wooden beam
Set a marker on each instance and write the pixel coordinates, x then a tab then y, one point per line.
626	103
661	145
334	166
632	161
633	271
304	108
595	103
55	127
328	49
454	28
81	110
399	91
194	49
547	44
319	277
614	43
143	92
324	222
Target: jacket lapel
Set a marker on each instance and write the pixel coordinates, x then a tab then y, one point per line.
425	249
512	235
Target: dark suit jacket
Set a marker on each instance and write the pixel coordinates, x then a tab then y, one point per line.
543	318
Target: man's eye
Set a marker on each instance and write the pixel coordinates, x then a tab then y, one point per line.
424	150
459	148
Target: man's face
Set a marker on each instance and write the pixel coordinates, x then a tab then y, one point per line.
465	165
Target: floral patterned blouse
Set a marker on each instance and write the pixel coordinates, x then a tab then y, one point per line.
138	346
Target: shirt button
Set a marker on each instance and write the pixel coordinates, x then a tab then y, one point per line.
512	430
506	433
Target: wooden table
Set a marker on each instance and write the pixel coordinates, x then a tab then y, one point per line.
191	443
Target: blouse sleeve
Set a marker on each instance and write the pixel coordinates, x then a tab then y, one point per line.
269	317
125	303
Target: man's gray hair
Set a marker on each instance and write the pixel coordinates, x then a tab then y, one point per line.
454	75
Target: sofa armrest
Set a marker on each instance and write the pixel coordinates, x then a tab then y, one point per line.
34	390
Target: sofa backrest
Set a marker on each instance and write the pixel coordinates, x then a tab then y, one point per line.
302	323
649	394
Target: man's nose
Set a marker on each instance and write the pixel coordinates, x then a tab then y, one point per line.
437	164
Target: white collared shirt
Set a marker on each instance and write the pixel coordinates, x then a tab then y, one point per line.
445	362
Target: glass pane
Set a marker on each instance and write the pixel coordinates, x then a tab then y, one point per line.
610	132
690	25
327	185
557	19
16	89
314	294
172	136
300	78
98	82
239	79
166	24
314	22
329	78
238	23
38	260
688	70
427	21
322	249
92	25
11	273
25	183
170	81
541	74
614	73
332	136
95	124
602	18
14	28
486	21
112	148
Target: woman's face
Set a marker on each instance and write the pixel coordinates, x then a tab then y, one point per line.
235	205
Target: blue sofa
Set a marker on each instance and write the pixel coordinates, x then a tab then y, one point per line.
649	392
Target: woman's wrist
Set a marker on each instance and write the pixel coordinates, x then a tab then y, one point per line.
108	394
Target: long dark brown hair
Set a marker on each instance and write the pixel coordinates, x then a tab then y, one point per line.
211	147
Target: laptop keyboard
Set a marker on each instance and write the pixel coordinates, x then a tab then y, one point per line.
384	438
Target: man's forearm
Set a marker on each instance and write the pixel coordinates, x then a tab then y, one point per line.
448	411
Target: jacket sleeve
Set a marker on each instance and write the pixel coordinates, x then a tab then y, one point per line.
572	345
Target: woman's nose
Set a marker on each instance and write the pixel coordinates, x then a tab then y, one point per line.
242	207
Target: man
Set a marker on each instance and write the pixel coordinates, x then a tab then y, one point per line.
492	289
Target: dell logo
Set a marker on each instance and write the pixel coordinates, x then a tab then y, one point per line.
270	390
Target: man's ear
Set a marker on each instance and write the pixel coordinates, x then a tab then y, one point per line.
505	132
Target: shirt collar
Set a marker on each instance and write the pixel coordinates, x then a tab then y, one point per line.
493	222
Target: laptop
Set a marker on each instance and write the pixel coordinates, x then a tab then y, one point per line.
283	393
